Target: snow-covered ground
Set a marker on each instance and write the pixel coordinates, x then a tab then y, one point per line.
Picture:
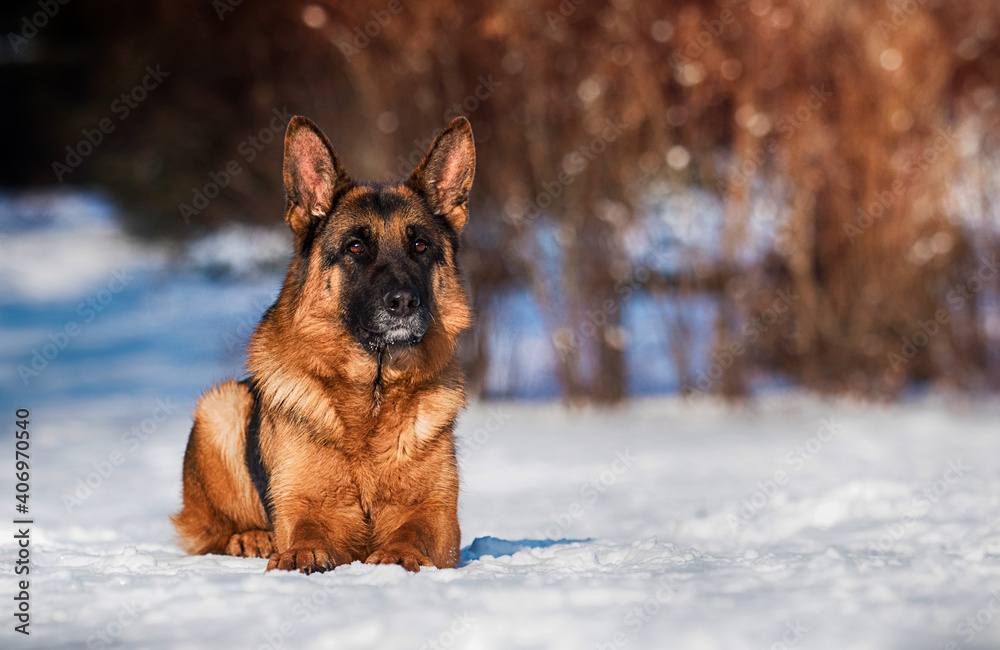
790	522
661	526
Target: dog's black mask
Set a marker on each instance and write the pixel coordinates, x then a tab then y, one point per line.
386	244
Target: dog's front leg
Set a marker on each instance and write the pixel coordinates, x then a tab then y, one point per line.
408	546
426	538
309	549
312	534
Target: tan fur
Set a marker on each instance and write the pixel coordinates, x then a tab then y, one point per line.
215	474
360	457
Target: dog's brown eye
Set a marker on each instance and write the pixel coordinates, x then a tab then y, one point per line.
355	247
420	246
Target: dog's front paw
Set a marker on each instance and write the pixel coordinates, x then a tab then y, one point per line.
404	555
251	543
306	560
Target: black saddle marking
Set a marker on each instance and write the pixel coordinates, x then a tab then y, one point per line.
252	454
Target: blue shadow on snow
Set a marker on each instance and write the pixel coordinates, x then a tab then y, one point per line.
496	547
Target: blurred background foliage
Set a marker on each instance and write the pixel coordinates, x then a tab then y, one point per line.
822	174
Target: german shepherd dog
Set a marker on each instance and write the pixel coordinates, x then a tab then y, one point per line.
339	447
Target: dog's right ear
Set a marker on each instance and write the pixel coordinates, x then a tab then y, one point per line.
313	174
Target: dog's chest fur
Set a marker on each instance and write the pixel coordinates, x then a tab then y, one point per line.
374	453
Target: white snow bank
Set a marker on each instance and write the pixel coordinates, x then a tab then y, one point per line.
59	246
242	250
664	525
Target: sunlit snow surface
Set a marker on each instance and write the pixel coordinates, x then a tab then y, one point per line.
793	522
645	505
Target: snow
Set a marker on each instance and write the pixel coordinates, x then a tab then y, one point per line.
790	521
72	226
581	528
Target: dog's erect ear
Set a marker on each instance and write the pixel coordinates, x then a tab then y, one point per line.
445	174
312	174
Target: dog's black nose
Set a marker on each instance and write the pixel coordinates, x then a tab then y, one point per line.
401	302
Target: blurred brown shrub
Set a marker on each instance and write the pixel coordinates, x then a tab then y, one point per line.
860	136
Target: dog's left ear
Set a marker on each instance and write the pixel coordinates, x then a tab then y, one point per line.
445	174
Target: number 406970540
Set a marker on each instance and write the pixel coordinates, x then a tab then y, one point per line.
21	457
